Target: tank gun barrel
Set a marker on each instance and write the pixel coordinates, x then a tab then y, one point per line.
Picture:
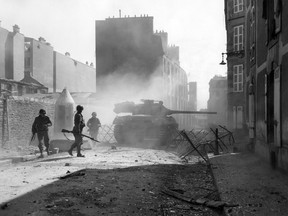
170	112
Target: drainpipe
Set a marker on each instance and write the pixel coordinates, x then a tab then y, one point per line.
251	117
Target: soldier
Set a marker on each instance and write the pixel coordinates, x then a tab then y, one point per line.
93	124
79	124
40	126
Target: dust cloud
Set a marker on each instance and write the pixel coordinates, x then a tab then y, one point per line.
117	88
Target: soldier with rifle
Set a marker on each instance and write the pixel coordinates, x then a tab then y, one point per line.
40	126
93	124
79	124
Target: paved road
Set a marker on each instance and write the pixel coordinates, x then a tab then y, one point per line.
18	179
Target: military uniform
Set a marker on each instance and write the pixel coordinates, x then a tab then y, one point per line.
40	126
93	124
79	124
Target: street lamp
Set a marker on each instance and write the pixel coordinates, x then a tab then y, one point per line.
222	62
239	54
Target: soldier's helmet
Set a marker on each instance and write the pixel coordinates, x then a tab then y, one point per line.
79	108
42	111
94	114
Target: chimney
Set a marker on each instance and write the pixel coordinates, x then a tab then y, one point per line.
41	39
16	29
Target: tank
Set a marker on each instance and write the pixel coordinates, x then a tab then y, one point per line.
147	121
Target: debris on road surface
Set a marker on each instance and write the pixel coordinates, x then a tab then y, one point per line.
77	173
200	201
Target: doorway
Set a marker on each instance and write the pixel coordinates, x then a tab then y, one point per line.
270	107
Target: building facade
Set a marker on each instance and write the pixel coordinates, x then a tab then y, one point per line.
217	101
11	54
39	61
72	74
270	88
235	31
192	95
27	60
265	77
126	47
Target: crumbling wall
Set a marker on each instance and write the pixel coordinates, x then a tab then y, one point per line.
21	113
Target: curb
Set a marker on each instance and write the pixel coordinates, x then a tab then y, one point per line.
20	159
225	210
5	162
17	159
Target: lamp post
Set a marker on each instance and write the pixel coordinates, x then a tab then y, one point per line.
239	54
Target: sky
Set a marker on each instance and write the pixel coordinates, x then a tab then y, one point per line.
196	26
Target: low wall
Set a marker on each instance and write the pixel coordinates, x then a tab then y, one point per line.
21	113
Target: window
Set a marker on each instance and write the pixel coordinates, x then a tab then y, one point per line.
252	35
238	6
272	13
238	78
237	117
27	46
238	38
27	62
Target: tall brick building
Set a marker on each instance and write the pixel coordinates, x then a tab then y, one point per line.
126	46
235	25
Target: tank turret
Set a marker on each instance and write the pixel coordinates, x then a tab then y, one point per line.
150	120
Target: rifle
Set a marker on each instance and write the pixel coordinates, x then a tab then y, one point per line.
83	135
32	138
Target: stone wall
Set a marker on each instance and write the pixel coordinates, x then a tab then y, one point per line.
21	114
3	121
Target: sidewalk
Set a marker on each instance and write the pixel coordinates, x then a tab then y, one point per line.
8	156
249	181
